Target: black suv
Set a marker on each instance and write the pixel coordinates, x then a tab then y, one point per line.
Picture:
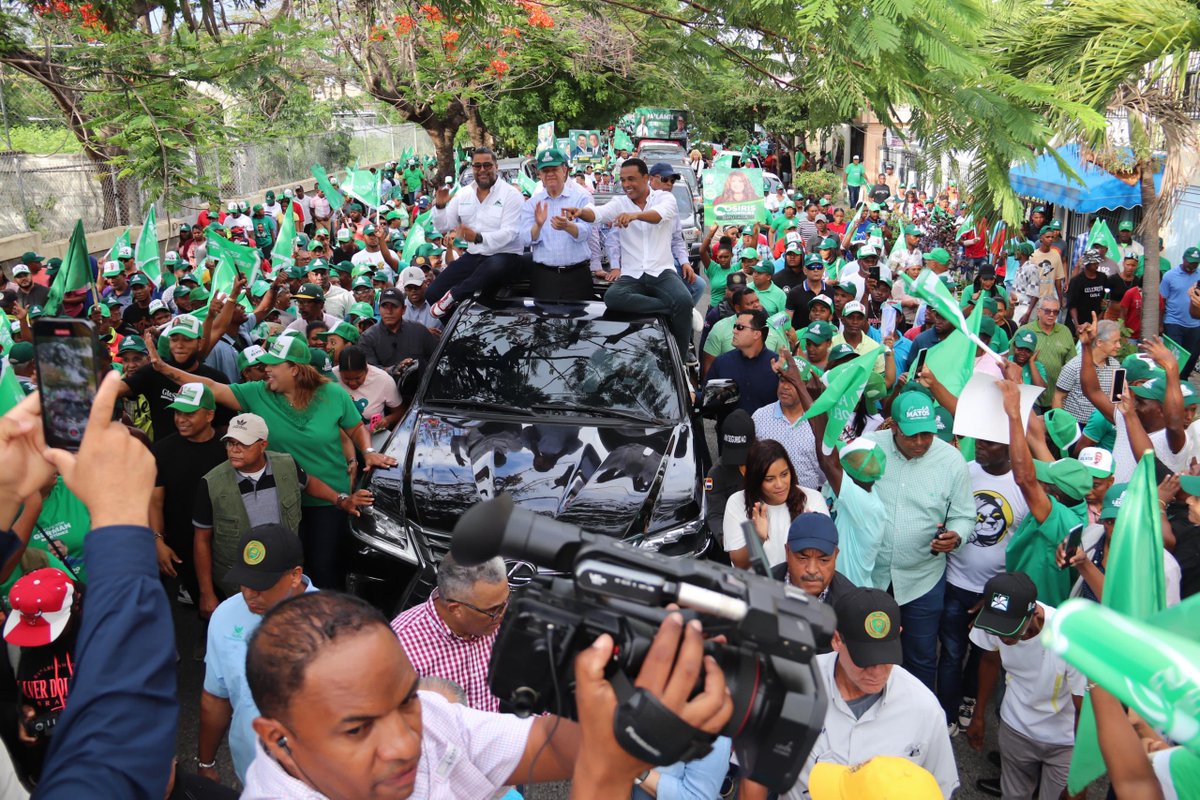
575	412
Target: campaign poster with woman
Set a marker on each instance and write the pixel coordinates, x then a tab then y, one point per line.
733	195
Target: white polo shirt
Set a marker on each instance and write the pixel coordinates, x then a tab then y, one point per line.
645	247
496	218
906	721
1037	697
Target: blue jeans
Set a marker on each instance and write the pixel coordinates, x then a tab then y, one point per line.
324	534
956	624
853	191
1189	339
665	294
919	621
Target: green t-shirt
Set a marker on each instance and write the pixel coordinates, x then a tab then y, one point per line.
1178	769
311	436
412	179
720	337
61	526
781	225
1101	431
773	299
855	174
1031	550
718	276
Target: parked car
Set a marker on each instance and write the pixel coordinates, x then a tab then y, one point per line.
651	150
575	412
507	168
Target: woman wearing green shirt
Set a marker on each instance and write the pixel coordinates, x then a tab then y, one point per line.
718	272
306	415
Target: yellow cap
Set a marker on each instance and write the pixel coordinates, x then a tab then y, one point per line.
881	778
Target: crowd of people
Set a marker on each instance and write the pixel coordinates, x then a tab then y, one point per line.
246	418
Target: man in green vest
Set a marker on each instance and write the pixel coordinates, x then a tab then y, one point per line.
253	487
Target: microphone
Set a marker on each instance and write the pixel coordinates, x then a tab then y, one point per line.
497	528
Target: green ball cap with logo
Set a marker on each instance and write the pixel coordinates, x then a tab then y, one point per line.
863	460
828	243
1116	495
310	291
551	158
820	332
131	344
186	324
813	262
193	397
1025	340
1192	255
1062	427
342	329
285	349
1140	368
1067	475
913	413
938	254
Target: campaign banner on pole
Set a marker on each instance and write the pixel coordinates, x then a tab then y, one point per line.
584	143
656	123
734	196
545	137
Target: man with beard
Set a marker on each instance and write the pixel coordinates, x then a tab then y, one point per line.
1000	508
487	216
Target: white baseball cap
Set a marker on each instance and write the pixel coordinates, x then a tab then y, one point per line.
867	250
1099	462
854	307
247	429
412	276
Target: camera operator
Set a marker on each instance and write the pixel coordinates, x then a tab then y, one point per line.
116	735
342	716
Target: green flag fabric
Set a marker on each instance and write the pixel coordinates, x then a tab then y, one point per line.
526	184
952	361
416	238
1101	234
335	198
121	241
1134	585
245	258
1181	354
363	185
621	141
930	288
6	340
281	252
844	387
11	392
145	255
74	274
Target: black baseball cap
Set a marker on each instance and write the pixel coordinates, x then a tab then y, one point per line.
868	620
736	279
392	295
267	553
1008	600
737	434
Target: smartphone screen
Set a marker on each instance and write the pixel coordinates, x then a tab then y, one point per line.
1118	387
68	377
1073	540
920	362
873	273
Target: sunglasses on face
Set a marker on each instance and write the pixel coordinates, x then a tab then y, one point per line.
740	327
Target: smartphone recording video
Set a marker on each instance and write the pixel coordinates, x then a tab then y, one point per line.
68	377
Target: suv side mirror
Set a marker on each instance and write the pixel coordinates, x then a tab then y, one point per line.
718	394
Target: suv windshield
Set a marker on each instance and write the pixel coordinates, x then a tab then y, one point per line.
524	361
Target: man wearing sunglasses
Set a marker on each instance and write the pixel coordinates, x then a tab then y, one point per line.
487	217
451	634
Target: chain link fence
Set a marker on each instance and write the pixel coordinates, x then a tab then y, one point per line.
46	194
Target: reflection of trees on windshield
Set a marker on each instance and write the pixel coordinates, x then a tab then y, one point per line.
524	360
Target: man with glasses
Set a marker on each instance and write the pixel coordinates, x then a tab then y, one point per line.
1055	345
561	255
487	216
451	634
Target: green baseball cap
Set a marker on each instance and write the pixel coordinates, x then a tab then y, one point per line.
874	207
823	300
199	295
131	344
1192	255
318	264
112	269
1025	340
186	324
1153	389
288	348
361	311
849	287
1116	495
30	257
1068	475
138	279
1140	368
104	310
987	327
193	397
794	249
551	158
22	353
876	387
1189	483
841	351
938	254
912	230
321	362
767	267
747	230
362	282
35	311
260	288
814	262
342	329
749	254
395	215
344	267
863	460
315	247
248	357
1062	427
828	243
913	413
820	332
945	423
1127	225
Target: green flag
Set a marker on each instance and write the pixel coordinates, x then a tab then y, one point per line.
526	184
281	251
74	274
1177	350
1134	585
844	387
6	340
363	185
245	258
621	141
145	256
335	198
416	238
930	288
1101	234
424	220
121	241
968	225
952	360
11	392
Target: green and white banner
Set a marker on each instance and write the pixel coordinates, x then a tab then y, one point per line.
734	196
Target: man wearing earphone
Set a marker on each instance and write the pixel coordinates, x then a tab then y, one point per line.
268	572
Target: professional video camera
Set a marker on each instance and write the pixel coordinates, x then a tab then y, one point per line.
770	631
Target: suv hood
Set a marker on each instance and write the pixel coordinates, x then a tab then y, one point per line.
617	479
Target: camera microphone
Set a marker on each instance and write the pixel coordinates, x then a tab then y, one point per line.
496	528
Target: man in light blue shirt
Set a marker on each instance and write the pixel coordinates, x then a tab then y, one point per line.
559	247
692	780
1178	322
662	178
269	572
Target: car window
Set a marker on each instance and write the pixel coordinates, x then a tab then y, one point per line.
687	208
526	360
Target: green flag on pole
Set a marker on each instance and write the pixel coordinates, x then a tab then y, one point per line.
6	340
424	220
145	255
1101	234
952	361
245	258
621	141
526	184
416	238
121	241
844	387
1135	586
285	242
11	392
929	287
74	274
335	198
363	185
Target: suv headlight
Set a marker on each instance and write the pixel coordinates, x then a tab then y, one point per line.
660	539
388	535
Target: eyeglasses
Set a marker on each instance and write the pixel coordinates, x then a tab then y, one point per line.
492	613
482	165
740	327
1047	310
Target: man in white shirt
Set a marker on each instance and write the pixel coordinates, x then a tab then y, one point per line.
487	216
876	707
1042	694
647	282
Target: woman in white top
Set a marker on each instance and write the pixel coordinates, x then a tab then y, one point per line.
771	499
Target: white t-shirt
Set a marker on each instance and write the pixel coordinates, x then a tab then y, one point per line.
999	509
377	391
1124	461
365	257
778	522
1037	698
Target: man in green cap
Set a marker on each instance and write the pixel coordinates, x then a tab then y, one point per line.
799	296
1033	372
1056	494
29	293
854	178
1126	243
375	252
910	254
118	284
136	316
1139	368
773	299
818	338
937	260
560	254
21	358
34	262
1177	289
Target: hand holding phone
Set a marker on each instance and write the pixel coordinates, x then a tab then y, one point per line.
1118	384
68	371
1074	538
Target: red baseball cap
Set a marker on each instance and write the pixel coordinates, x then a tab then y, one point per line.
41	602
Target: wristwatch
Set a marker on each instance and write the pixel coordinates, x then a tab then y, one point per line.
341	498
638	780
369	450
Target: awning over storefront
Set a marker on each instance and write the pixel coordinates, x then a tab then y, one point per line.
1043	180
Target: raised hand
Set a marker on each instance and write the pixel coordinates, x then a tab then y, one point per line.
541	212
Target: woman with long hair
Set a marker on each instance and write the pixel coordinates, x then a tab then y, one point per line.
737	189
771	499
306	415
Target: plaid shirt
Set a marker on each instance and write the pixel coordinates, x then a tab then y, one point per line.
434	649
